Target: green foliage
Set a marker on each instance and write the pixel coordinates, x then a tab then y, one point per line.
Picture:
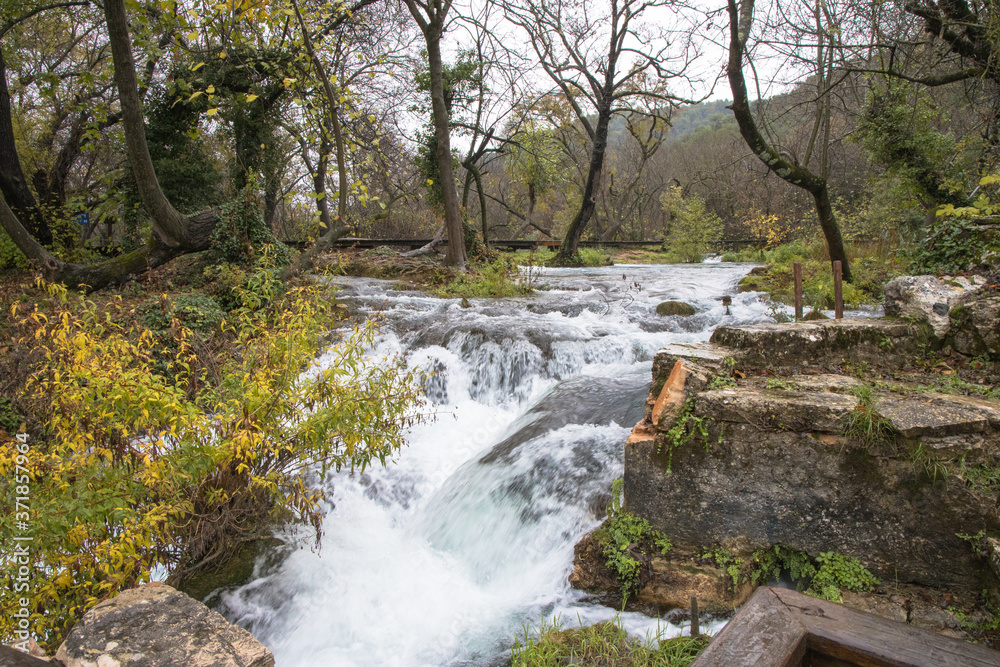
10	418
824	577
618	533
864	422
241	234
142	463
837	572
602	645
686	425
500	278
951	245
774	562
11	258
196	311
595	257
692	226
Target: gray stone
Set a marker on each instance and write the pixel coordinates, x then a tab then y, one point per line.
11	657
675	308
933	417
927	298
797	411
975	327
825	342
156	625
759	487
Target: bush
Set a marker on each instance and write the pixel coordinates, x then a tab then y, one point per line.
136	468
595	257
603	644
497	279
241	231
11	258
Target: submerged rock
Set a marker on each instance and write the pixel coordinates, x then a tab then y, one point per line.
156	625
672	308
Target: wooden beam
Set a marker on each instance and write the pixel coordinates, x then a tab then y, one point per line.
782	628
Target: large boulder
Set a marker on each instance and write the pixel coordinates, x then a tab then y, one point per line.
975	326
928	298
784	460
157	625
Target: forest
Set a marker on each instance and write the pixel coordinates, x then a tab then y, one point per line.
174	173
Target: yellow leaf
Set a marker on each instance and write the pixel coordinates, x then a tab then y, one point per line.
193	35
210	89
223	54
195	68
251	98
212	112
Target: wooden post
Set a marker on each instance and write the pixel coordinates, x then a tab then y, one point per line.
838	290
797	268
695	630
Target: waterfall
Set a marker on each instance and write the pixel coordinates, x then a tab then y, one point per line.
467	537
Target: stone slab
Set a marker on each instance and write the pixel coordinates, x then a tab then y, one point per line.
931	417
798	411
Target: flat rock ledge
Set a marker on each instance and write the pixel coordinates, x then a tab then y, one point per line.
156	625
779	449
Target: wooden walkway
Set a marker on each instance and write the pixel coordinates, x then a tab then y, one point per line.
413	244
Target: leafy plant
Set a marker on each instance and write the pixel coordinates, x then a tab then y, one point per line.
136	469
500	278
837	571
779	559
619	534
685	426
692	226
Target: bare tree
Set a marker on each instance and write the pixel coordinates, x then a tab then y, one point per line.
431	16
786	166
605	60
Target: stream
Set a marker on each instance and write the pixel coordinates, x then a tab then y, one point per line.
452	551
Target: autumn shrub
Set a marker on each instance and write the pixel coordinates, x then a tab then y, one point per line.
131	470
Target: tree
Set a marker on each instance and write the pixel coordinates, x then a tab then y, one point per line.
431	16
604	63
785	166
531	161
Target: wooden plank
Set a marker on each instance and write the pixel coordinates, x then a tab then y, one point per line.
761	634
783	628
872	641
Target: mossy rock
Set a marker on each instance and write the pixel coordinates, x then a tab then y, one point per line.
749	284
813	315
237	570
679	308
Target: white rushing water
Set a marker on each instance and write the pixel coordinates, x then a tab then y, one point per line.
446	555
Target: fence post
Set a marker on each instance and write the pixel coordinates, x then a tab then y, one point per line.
838	290
797	268
695	630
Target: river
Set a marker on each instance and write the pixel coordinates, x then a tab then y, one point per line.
446	555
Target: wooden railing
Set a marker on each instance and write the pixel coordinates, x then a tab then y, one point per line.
782	628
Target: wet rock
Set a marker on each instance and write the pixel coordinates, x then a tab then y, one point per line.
157	625
667	584
927	298
814	315
826	342
678	308
975	327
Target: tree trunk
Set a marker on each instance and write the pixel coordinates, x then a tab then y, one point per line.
338	137
13	183
568	250
452	215
740	21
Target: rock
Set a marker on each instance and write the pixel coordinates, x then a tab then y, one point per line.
797	411
156	625
825	342
668	583
679	308
814	315
670	402
934	417
927	299
975	327
11	657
